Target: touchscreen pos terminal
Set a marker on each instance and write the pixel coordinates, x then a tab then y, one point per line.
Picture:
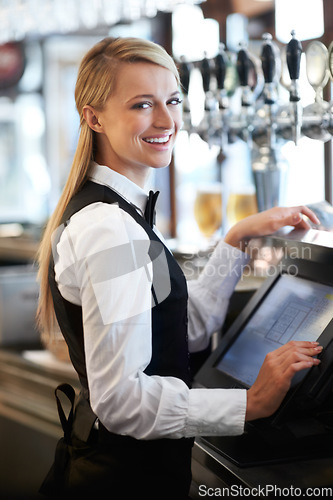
294	304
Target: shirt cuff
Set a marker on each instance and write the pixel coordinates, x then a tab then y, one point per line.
214	412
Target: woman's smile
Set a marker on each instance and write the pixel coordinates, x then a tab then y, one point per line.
160	143
158	140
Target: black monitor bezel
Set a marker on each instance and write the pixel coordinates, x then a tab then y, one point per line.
306	391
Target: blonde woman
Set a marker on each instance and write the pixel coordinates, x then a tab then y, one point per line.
122	302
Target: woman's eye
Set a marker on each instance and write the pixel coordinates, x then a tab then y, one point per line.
176	101
141	105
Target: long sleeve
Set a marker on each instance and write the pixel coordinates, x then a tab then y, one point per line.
209	295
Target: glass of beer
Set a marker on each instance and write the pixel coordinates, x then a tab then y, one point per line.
208	209
241	205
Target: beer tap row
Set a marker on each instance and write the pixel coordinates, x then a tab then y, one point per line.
262	118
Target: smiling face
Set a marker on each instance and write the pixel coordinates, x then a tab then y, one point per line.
137	127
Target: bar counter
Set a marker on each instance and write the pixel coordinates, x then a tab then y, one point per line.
30	428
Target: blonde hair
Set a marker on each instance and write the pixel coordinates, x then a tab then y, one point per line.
95	83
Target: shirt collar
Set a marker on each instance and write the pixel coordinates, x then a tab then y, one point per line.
130	191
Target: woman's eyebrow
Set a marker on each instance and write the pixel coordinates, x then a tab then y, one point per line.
151	96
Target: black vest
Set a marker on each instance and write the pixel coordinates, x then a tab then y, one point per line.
169	316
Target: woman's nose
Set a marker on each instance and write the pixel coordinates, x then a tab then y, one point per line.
163	118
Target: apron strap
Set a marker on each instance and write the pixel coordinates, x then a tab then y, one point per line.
66	423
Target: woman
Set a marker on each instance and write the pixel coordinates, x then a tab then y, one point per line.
121	300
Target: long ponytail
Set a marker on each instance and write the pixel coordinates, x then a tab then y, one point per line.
76	178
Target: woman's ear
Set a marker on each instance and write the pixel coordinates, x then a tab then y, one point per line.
91	117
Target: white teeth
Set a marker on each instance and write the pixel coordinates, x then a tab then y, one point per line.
158	139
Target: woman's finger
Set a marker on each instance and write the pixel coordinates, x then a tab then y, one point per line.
310	214
312	348
269	222
299	221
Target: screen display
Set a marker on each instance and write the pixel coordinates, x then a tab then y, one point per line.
294	309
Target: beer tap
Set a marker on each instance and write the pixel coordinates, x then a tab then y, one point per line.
316	116
268	165
220	65
207	127
330	74
243	69
294	52
270	92
184	73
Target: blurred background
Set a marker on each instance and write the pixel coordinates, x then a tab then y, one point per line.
222	141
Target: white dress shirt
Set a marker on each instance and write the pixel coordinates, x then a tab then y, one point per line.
95	256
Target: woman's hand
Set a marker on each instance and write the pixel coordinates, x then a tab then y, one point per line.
268	222
275	375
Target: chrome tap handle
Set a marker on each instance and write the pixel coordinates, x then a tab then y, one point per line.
220	71
316	56
294	53
220	67
268	59
268	63
207	125
205	69
184	73
243	67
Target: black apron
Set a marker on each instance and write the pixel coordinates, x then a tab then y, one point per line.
102	463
